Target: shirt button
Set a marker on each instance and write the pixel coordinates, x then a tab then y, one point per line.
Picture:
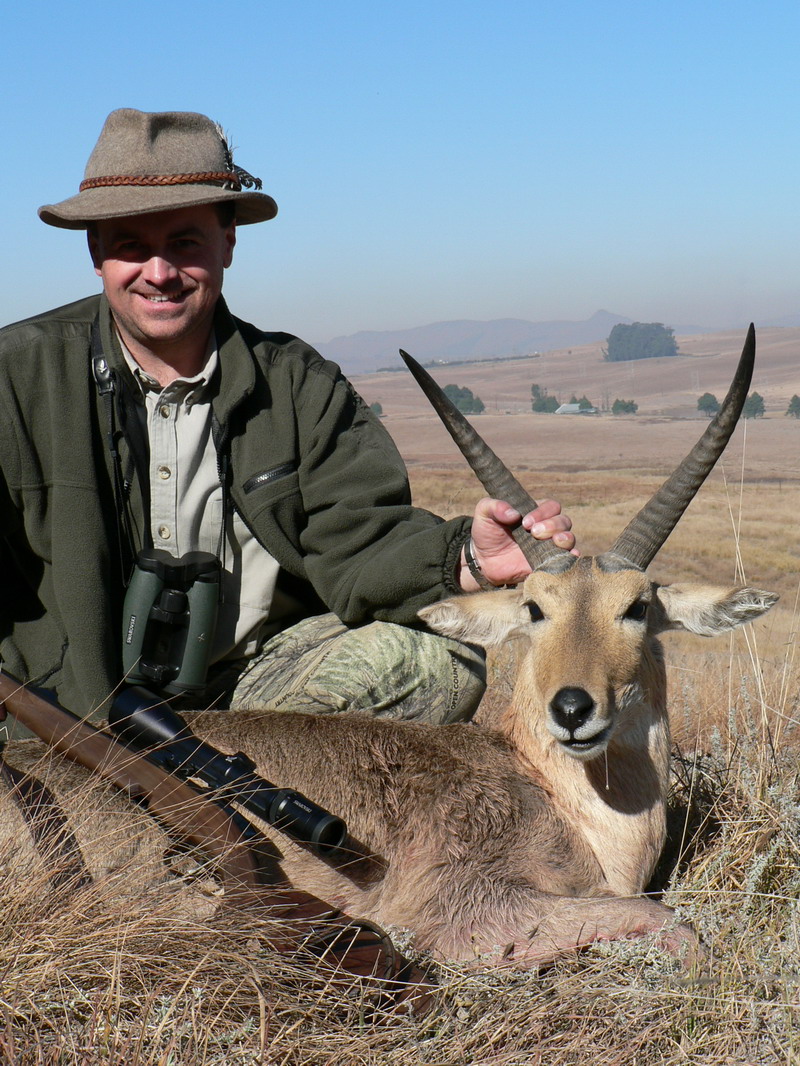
164	532
164	410
164	473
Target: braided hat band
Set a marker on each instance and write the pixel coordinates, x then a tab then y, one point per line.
159	179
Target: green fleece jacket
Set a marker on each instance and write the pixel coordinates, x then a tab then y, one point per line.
309	468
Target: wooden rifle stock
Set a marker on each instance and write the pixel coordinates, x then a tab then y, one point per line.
302	922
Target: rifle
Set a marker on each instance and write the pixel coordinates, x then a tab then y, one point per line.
305	923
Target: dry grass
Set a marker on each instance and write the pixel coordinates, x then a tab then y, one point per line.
85	984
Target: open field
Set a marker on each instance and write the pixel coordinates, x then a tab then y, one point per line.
662	387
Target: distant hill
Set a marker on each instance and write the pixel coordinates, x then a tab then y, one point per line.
363	353
467	340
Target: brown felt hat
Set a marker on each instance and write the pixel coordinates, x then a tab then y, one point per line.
156	161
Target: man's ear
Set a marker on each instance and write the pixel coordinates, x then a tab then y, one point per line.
230	237
94	250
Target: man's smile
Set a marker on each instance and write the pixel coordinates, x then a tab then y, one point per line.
164	298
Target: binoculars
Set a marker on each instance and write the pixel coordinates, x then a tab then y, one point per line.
169	620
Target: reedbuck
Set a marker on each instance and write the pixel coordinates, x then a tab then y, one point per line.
521	836
535	832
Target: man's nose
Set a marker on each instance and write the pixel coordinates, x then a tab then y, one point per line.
158	270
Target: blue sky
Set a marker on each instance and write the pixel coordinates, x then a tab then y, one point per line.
434	161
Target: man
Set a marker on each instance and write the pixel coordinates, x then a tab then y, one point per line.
150	417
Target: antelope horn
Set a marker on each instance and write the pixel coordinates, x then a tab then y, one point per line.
636	547
495	477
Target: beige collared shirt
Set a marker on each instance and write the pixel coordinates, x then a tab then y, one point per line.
186	508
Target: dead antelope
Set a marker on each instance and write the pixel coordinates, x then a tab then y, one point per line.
533	833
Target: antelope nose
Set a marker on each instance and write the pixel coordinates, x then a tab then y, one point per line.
571	707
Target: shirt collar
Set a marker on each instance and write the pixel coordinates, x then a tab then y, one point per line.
193	387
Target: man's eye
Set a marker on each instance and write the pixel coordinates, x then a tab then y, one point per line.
535	611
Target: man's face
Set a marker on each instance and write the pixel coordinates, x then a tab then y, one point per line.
162	275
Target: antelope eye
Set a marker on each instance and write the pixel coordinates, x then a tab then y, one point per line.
535	611
637	611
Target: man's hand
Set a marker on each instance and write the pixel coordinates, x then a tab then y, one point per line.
494	549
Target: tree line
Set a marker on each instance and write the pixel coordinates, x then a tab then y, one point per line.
463	398
542	402
753	406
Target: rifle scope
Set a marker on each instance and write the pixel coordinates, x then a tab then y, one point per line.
146	723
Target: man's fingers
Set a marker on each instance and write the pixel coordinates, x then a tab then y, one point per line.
497	510
544	522
545	509
565	539
541	530
547	522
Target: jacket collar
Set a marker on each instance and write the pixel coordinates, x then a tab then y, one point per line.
237	372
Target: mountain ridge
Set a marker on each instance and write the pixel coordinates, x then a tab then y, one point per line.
471	339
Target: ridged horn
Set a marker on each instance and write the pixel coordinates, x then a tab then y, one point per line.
637	545
495	477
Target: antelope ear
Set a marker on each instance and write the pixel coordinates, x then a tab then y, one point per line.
708	610
483	618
